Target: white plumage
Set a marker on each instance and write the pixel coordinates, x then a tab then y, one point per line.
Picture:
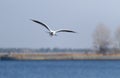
51	32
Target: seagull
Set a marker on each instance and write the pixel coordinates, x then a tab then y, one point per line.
52	32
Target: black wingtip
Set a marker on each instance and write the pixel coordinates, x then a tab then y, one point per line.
31	19
34	20
73	32
76	32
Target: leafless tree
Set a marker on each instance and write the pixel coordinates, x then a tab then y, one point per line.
117	38
101	38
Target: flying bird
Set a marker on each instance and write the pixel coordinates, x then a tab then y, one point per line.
52	32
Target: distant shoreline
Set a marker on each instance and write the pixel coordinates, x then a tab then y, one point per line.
58	56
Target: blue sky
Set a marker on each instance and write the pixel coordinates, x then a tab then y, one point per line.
82	16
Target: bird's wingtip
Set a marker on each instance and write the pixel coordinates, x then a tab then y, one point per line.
77	32
74	31
31	19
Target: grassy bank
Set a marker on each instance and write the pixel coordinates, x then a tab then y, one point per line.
60	56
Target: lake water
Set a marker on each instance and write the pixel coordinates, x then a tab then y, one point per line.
59	69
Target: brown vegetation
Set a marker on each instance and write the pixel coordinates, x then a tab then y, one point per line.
63	56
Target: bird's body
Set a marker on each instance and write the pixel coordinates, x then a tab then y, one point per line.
51	32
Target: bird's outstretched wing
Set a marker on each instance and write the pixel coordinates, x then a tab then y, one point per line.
41	24
63	30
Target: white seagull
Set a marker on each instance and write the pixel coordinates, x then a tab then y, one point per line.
51	32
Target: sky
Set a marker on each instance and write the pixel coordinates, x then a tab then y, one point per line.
82	16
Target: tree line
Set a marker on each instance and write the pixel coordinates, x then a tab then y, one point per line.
25	50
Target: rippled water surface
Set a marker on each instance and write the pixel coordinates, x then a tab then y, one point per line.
59	69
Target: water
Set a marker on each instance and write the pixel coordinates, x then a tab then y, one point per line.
59	69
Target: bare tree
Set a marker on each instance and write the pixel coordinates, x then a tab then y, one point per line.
102	39
117	38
